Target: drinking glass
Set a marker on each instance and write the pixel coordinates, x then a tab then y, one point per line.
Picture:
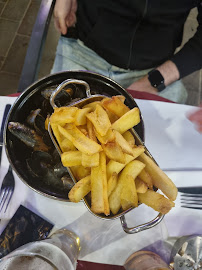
145	260
58	252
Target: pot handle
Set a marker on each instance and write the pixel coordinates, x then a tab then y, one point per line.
63	84
142	227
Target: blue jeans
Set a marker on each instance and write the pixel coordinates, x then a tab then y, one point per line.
72	54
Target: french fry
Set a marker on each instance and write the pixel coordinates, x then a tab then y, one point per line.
83	129
100	120
146	178
133	168
129	138
80	116
67	145
71	158
114	166
156	201
80	141
80	172
80	189
127	121
114	151
112	182
109	137
92	105
63	115
115	105
128	196
99	198
122	98
59	137
90	160
137	151
159	178
99	147
91	130
141	187
123	143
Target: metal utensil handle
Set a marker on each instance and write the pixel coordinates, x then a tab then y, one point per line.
63	84
141	227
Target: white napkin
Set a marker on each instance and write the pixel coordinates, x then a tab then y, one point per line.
170	137
174	143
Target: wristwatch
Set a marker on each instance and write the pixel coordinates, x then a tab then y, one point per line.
156	79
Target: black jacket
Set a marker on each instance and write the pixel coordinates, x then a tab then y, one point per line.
140	34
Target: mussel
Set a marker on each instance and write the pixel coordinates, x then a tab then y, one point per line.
27	136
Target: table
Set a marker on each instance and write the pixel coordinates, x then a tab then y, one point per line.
174	143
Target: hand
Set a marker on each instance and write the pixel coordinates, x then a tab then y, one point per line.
143	85
65	14
196	118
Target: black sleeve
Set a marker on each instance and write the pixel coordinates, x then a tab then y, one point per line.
189	58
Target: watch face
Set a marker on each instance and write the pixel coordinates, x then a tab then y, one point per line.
156	79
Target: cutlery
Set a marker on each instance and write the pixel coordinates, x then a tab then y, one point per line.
191	190
7	189
193	201
7	108
8	183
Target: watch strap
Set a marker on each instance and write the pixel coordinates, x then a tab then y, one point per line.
156	79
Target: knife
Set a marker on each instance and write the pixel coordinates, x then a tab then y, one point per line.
191	190
7	108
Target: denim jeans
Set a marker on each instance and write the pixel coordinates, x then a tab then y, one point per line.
72	54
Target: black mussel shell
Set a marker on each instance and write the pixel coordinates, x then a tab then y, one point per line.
60	170
32	116
67	181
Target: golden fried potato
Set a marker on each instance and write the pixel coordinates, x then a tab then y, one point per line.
67	145
133	169
109	137
156	201
125	146
80	172
112	182
114	166
98	145
115	105
80	116
63	115
159	178
90	160
91	130
80	141
129	138
129	196
127	121
99	197
114	151
138	150
100	120
146	178
71	158
80	189
141	187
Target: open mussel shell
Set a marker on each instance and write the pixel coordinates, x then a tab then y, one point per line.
32	99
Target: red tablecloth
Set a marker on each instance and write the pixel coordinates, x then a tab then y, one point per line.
134	94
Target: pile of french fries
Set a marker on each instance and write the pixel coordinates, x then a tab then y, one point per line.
112	171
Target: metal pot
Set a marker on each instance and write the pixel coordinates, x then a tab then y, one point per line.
31	99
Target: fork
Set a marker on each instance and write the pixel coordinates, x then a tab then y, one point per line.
193	201
7	189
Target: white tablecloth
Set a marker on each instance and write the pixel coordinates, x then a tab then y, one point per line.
174	143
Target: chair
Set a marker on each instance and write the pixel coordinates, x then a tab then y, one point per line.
35	48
